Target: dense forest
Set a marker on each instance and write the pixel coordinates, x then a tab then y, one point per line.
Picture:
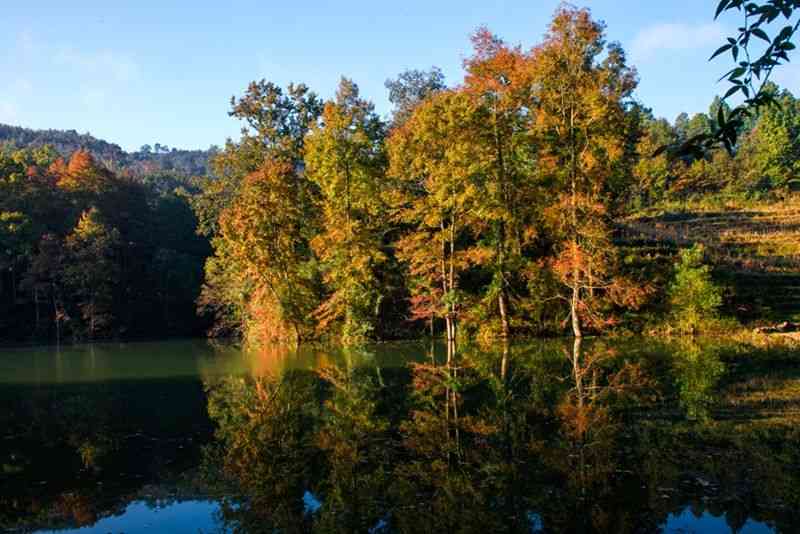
86	253
491	208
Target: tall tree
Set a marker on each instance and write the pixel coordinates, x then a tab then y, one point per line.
773	146
261	254
259	209
345	158
583	87
500	80
410	88
436	166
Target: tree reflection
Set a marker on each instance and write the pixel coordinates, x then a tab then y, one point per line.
697	371
356	444
502	439
586	453
263	458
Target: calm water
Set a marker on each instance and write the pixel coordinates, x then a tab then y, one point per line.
620	437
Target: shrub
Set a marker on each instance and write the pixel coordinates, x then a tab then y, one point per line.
694	298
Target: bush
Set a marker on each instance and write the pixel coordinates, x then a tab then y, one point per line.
694	298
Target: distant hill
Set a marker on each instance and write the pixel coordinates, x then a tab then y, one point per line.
157	158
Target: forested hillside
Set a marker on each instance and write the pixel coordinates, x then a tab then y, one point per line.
147	160
88	254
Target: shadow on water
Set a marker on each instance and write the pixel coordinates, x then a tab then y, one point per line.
622	436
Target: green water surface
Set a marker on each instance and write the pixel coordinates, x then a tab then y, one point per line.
617	436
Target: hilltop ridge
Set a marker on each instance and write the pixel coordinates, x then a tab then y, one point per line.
148	159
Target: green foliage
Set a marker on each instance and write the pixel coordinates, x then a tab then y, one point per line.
91	270
771	151
694	298
753	66
259	211
15	229
50	144
345	159
481	205
764	161
411	88
85	252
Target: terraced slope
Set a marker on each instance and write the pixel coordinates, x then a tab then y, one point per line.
756	251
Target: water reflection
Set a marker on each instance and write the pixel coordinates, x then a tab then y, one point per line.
697	371
594	436
692	521
141	517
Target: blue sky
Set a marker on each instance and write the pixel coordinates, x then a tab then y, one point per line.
136	72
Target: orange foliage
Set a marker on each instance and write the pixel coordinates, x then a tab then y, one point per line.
80	162
82	173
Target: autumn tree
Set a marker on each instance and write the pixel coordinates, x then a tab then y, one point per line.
261	255
435	166
82	174
42	199
500	80
259	211
345	159
274	124
91	269
583	86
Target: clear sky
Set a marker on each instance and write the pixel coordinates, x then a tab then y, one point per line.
144	71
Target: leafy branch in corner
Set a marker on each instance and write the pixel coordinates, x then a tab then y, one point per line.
750	75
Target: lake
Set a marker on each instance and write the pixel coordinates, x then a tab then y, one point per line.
627	435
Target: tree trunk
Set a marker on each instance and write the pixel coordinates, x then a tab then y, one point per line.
576	320
577	371
575	301
504	362
504	328
36	306
57	317
452	284
445	291
501	228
